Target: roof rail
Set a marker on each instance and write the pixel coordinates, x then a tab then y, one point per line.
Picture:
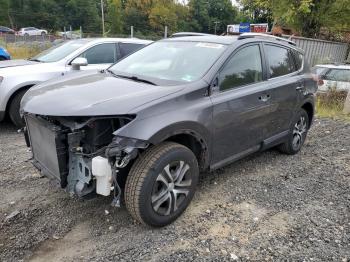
252	35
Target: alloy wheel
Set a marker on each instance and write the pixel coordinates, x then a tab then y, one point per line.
299	132
171	188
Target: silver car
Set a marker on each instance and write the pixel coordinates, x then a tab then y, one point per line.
17	76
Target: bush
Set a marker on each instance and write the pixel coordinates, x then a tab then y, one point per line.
24	50
331	103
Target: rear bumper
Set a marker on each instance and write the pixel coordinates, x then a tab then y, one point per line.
2	115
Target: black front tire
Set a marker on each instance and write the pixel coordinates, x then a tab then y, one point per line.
145	187
298	132
14	109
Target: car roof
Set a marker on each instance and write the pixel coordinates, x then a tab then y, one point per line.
337	66
225	40
228	40
123	40
180	34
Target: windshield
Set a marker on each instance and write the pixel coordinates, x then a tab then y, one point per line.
170	60
60	51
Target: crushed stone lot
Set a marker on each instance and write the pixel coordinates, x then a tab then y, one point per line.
268	206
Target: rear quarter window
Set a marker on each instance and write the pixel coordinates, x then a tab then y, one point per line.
298	60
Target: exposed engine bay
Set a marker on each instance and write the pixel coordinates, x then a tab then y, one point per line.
82	153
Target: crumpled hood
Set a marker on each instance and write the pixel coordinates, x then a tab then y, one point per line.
17	62
91	94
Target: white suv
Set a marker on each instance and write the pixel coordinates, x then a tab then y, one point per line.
17	76
333	76
31	31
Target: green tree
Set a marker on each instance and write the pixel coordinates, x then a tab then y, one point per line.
115	16
163	14
206	15
305	16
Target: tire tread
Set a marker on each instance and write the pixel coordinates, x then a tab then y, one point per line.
139	172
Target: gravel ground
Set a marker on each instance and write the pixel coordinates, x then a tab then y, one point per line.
268	206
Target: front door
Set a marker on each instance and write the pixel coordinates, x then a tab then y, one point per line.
240	106
100	56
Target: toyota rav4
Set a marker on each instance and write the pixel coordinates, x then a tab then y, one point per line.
146	127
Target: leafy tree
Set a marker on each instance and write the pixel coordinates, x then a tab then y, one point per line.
305	16
163	14
206	13
115	16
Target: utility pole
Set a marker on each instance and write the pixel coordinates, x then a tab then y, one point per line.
216	23
103	18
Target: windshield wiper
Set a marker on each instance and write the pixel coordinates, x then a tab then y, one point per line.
134	78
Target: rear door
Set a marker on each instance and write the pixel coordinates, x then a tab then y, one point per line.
240	105
285	88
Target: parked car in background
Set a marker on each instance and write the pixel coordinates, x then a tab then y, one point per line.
333	77
17	76
70	34
31	31
6	30
151	122
4	55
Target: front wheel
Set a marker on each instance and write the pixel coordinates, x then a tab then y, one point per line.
298	133
161	184
15	107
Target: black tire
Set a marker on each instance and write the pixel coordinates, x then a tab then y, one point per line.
43	34
26	35
291	146
2	58
145	182
14	109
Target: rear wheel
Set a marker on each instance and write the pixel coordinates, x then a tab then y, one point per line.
2	58
14	109
161	184
298	133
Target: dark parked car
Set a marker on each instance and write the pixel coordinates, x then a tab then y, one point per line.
6	30
148	125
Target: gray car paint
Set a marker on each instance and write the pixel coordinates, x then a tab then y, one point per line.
227	124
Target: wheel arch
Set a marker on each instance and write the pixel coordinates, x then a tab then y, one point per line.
310	110
190	134
13	95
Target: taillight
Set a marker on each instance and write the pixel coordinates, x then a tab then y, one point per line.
317	79
320	82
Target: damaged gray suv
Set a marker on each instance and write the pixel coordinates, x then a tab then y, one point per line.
146	127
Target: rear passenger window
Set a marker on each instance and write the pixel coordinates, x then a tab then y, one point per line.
127	48
279	61
242	69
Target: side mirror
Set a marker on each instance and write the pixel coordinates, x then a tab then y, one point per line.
78	62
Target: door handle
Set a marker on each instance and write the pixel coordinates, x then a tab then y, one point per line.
264	98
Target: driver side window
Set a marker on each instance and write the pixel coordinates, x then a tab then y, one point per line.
101	54
243	68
